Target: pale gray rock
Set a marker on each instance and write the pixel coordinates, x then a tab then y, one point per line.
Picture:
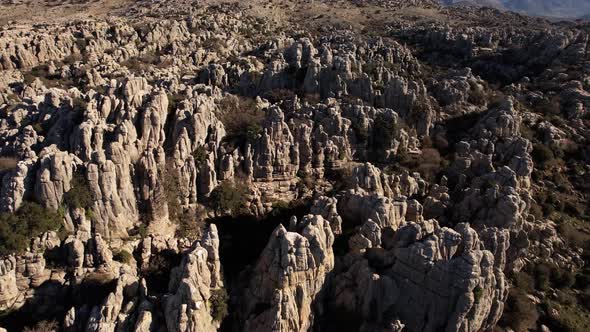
187	308
55	172
288	276
327	208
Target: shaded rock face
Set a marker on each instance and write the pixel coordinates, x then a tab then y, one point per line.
431	281
186	305
288	277
187	309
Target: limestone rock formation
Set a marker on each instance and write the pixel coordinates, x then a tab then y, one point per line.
289	276
418	163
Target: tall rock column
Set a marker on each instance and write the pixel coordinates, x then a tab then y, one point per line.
288	277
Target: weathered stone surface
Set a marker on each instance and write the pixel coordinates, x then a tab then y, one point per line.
288	276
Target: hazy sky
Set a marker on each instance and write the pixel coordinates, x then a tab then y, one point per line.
558	8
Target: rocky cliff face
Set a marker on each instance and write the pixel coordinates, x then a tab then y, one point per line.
416	167
289	276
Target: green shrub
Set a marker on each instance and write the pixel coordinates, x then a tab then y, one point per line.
200	156
31	220
218	302
542	277
527	132
171	184
79	195
306	181
384	130
81	43
192	222
252	131
142	231
173	101
43	326
562	278
122	256
360	132
229	196
572	317
573	235
477	294
476	95
278	207
524	282
279	95
520	312
542	154
550	106
79	106
241	118
89	214
583	279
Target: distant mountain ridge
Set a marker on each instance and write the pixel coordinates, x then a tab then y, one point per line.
552	8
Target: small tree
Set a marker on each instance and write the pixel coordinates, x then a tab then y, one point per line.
218	302
31	220
477	294
542	154
171	184
79	195
229	196
241	118
200	155
122	256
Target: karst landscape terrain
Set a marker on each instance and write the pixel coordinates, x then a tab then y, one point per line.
363	165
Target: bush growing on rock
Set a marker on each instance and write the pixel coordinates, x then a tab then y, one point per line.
79	196
31	220
192	222
218	300
383	130
173	102
551	106
520	313
571	231
43	326
241	118
542	154
200	155
279	207
360	132
279	95
171	184
477	294
306	181
122	256
476	96
229	197
142	231
542	277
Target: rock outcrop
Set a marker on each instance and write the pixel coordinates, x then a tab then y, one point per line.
289	277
